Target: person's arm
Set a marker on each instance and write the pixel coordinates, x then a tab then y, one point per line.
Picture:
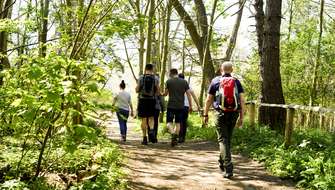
114	100
208	104
131	108
242	101
189	97
137	89
166	92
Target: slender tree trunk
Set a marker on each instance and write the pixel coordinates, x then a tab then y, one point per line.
166	44
43	33
233	37
271	86
199	41
207	56
290	21
150	31
6	12
313	91
141	40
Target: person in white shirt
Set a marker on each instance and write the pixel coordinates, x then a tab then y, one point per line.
183	126
123	105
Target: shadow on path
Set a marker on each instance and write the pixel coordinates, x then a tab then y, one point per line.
188	166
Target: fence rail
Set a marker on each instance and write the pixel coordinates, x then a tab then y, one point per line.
297	116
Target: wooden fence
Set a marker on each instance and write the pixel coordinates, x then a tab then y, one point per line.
298	116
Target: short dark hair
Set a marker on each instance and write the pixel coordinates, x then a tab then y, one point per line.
122	84
173	72
181	75
149	67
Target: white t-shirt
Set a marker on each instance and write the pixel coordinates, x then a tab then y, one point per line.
186	103
123	100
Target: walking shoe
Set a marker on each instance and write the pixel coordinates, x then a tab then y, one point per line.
145	141
228	175
151	135
155	140
124	138
174	141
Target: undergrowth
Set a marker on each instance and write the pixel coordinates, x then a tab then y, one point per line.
309	161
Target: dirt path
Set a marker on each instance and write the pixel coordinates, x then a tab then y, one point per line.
189	166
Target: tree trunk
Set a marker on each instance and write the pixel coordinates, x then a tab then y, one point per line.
6	12
233	37
43	33
199	41
259	17
149	32
313	91
271	86
141	40
207	55
166	44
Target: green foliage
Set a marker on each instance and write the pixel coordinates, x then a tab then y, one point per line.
39	101
196	131
310	160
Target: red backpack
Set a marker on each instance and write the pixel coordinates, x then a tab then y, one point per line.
230	101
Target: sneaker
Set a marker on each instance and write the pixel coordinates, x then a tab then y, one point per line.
174	141
155	140
145	141
228	175
181	140
151	135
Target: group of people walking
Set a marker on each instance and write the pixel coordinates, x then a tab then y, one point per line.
225	94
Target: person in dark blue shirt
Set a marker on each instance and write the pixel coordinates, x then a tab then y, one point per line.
225	120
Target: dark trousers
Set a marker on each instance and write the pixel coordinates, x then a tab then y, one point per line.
122	116
183	125
225	123
156	123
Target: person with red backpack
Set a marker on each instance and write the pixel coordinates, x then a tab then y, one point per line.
225	94
147	89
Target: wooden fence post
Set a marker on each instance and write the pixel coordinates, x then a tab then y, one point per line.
252	113
289	126
322	121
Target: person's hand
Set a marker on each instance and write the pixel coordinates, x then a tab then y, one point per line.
239	123
190	110
205	120
132	113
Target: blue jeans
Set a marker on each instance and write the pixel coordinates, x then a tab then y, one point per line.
122	116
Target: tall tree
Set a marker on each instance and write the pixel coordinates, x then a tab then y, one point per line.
166	44
198	38
313	91
150	35
233	37
5	13
271	85
43	31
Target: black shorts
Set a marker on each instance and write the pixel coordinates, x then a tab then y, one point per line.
146	108
174	114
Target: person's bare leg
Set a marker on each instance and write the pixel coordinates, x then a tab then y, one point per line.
151	122
144	128
177	129
170	128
